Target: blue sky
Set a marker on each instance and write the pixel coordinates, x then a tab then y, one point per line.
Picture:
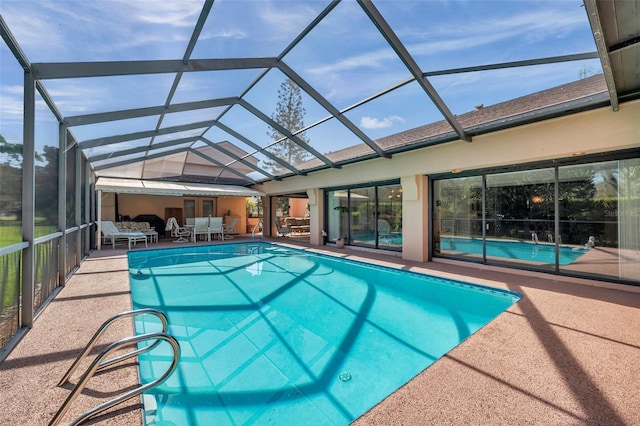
345	58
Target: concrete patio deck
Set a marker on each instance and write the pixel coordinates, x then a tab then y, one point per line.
567	354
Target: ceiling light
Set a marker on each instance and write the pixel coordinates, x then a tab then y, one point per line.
456	170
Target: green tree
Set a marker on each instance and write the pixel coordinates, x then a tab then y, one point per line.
13	153
290	115
10	177
47	187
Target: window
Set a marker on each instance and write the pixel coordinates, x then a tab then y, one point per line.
189	209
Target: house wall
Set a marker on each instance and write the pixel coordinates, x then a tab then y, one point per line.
590	132
108	206
133	205
298	207
596	131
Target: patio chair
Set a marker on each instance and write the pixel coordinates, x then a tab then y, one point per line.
283	231
113	234
181	233
384	231
216	227
201	227
230	228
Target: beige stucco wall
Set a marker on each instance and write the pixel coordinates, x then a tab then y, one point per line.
589	132
595	131
133	205
298	207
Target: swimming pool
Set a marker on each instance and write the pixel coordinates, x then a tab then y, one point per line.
280	336
369	238
511	249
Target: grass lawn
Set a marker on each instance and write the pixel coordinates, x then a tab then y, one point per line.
10	282
10	232
10	274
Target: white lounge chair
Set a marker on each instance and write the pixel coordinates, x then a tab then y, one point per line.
181	233
113	234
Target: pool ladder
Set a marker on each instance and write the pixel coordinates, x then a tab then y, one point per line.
99	363
257	227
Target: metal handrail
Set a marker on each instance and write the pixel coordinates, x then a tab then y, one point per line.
97	364
255	228
103	327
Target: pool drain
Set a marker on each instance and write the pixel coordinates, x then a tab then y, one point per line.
345	376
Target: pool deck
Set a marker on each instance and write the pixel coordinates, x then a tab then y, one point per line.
567	354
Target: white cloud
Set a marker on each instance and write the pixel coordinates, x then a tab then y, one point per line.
11	108
533	26
374	59
234	33
23	22
287	19
384	123
99	30
172	13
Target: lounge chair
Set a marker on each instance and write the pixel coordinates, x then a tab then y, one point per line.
216	227
181	233
283	231
111	233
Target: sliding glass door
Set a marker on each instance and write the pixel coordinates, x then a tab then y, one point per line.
458	217
368	216
362	216
600	218
581	220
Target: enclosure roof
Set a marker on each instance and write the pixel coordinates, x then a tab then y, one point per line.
137	186
242	92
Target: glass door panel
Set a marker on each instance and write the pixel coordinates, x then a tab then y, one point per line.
362	214
521	217
389	221
337	207
599	209
458	217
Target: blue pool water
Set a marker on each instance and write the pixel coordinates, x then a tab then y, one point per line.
517	250
271	335
394	239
